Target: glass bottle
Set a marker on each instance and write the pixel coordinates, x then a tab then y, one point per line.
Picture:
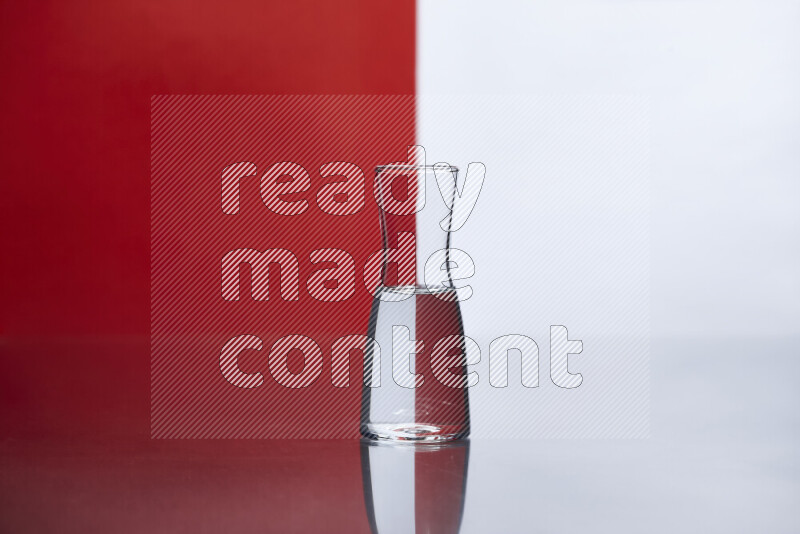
415	374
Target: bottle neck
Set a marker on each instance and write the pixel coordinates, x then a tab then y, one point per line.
415	221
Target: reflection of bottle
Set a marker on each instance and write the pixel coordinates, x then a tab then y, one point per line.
414	488
415	364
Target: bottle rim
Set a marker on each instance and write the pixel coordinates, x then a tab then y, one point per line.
439	166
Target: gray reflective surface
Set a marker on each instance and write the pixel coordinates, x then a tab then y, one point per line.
723	457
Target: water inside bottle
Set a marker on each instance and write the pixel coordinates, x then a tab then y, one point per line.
415	368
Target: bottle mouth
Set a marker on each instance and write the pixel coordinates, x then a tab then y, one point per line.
405	167
416	290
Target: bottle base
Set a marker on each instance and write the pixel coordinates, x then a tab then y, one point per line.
413	432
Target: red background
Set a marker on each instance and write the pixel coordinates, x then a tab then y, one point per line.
78	77
77	82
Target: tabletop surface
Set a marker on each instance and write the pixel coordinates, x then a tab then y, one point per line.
722	458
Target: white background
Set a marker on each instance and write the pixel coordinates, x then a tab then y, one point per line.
723	85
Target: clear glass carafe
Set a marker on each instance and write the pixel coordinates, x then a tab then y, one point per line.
415	374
